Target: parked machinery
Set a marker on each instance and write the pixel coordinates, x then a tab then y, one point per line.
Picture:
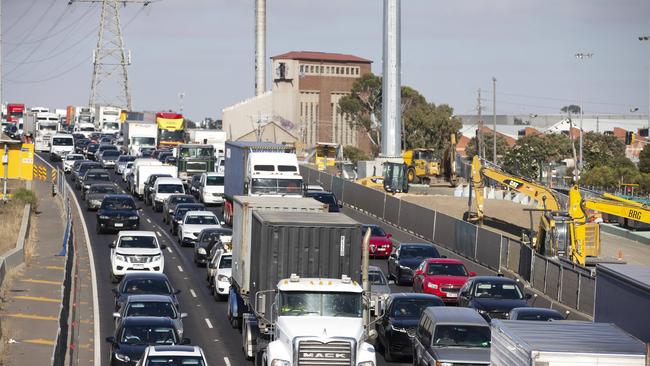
432	166
395	180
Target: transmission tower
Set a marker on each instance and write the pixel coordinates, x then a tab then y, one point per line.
110	81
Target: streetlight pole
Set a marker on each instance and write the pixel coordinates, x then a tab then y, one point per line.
581	56
647	38
494	120
181	95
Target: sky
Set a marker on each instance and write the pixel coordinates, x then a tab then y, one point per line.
450	49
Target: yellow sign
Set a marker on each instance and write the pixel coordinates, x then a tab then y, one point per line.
20	160
170	124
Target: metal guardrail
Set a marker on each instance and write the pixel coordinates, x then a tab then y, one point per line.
562	282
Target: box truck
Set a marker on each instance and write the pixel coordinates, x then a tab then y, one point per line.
138	135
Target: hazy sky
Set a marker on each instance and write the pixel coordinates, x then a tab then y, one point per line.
449	49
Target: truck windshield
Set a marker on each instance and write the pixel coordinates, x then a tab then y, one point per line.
62	141
166	135
298	303
47	127
276	186
87	128
214	180
462	336
146	141
112	125
196	152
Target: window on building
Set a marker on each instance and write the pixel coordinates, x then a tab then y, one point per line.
337	71
311	69
322	69
327	69
356	70
302	69
347	71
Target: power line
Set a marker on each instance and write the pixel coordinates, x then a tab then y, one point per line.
558	99
48	78
31	29
19	18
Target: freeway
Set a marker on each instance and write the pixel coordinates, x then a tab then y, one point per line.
207	325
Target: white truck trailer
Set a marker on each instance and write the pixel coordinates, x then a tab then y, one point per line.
138	135
216	138
107	119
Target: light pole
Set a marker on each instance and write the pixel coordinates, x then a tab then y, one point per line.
581	56
494	120
181	95
647	38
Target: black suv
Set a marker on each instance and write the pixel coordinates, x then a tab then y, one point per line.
406	258
327	198
117	212
180	211
149	184
91	177
492	296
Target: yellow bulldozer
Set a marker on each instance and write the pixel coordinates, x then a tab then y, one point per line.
432	166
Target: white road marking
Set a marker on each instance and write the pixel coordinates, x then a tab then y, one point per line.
148	220
207	321
227	361
192	292
169	250
180	268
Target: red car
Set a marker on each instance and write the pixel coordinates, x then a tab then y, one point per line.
442	277
380	244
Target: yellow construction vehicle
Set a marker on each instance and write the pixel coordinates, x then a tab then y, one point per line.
431	166
326	154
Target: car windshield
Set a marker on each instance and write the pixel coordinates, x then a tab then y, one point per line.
145	334
63	141
276	186
226	262
74	157
446	269
147	286
103	189
376	278
498	291
462	336
181	199
201	220
148	242
97	176
374	230
152	308
110	153
214	180
174	361
418	252
84	168
170	188
118	204
299	303
411	308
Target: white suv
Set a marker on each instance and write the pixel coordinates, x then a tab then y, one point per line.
136	251
211	188
222	272
172	355
192	224
163	188
69	160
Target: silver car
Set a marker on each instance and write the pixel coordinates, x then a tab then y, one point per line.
379	289
151	305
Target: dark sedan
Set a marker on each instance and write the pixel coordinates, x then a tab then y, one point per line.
93	176
90	150
327	198
403	261
208	238
397	327
134	334
96	193
80	145
492	296
117	212
179	214
144	283
170	204
77	175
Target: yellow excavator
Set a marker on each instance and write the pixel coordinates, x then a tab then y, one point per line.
431	166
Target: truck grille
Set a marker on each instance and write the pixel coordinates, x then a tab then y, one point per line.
139	258
315	353
197	166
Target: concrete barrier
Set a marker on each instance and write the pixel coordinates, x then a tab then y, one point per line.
16	256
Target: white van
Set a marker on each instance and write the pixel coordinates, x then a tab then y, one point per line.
60	146
163	188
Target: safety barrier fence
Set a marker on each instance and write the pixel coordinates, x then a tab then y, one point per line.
562	282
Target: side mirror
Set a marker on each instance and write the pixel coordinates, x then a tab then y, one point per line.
114	291
176	292
183	315
389	236
163	246
464	294
112	244
186	341
372	334
116	315
472	274
110	340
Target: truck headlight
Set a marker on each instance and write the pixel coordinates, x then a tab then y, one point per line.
223	278
278	362
104	217
366	363
432	286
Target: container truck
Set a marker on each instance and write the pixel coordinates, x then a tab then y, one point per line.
259	169
107	119
563	343
42	126
215	138
623	298
170	129
194	159
138	135
304	303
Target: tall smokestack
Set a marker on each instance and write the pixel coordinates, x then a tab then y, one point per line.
260	46
391	85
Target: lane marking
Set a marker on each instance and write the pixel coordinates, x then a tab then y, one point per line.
207	321
148	220
93	274
227	361
37	298
192	292
55	267
169	250
158	232
31	280
180	268
31	316
39	341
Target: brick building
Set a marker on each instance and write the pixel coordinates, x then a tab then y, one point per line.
306	88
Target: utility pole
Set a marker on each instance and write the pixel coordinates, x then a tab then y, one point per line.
646	39
494	120
581	56
260	47
479	133
110	60
391	82
181	95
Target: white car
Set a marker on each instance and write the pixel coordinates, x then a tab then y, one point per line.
128	168
172	355
69	160
211	188
222	272
192	224
136	251
163	188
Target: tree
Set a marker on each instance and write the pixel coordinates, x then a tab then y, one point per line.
533	154
644	159
600	149
362	107
571	109
429	126
502	146
354	154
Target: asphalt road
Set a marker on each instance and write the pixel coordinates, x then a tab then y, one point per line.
207	325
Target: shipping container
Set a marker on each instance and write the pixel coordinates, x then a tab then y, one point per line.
623	298
244	206
563	343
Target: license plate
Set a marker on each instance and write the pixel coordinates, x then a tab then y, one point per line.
119	224
138	266
452	294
